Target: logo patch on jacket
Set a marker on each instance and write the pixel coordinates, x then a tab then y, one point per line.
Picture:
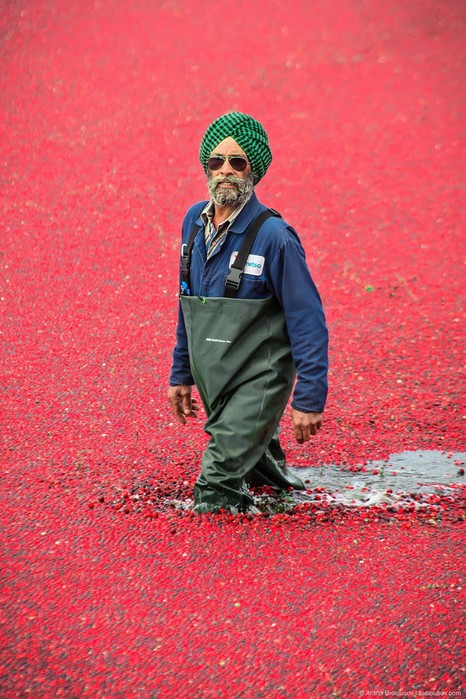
254	264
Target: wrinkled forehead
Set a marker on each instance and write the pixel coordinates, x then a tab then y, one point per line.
228	147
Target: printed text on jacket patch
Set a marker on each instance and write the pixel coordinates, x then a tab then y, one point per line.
254	264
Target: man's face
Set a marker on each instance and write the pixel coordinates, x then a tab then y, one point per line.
227	186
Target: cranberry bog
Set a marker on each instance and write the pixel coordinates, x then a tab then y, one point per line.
110	586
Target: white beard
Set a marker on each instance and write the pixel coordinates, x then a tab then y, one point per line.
231	196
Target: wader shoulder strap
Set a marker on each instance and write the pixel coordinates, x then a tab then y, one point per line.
186	252
233	280
187	249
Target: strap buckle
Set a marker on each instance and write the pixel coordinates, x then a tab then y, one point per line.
233	281
185	266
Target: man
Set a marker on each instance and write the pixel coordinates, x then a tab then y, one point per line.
250	318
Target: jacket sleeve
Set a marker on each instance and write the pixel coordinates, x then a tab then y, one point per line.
292	284
180	372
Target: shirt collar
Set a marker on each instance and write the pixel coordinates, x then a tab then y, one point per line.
207	214
251	209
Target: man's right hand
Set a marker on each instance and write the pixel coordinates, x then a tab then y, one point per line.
182	403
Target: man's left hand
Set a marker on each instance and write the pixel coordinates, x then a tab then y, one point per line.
305	425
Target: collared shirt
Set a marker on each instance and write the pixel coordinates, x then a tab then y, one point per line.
275	267
214	236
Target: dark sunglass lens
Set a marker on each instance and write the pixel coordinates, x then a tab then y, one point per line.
238	163
215	163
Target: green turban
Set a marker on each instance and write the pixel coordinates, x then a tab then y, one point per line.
248	133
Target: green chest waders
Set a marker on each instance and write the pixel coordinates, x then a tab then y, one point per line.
241	362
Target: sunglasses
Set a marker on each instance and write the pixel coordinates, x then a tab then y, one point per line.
237	162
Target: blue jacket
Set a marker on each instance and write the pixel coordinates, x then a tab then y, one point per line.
276	267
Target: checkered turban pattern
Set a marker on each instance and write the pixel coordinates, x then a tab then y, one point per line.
248	133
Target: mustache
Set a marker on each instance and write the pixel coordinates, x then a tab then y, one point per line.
230	179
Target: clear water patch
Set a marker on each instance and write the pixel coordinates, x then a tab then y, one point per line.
402	480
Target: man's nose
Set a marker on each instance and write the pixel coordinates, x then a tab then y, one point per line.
226	168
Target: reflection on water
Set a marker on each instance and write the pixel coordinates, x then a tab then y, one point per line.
406	474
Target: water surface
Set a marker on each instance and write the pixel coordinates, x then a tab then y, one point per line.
398	480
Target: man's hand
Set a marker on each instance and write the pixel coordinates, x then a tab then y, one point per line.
183	405
305	424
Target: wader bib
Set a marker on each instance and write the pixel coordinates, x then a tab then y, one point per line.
241	363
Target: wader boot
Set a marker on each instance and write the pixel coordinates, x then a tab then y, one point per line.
241	363
271	469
